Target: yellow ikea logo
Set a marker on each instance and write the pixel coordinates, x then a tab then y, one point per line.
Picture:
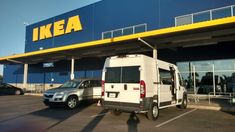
59	28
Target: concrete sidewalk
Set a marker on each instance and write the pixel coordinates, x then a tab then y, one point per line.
34	94
215	104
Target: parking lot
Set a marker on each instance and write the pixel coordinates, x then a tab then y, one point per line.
28	113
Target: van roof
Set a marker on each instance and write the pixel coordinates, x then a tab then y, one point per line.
160	62
130	55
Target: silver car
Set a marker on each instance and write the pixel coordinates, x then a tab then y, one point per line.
72	92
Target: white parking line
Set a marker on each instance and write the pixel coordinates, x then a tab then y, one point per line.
98	115
164	123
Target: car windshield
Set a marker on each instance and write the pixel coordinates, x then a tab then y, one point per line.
70	84
6	85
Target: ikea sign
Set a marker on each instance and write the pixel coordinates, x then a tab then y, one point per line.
61	27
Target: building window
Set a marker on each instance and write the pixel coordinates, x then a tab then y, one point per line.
107	35
209	76
200	17
125	31
183	20
207	15
221	13
233	10
117	33
140	28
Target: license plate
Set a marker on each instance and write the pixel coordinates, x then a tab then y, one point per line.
112	95
233	100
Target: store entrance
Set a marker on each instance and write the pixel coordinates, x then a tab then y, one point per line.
209	77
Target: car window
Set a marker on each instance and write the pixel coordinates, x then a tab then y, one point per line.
85	84
95	83
5	86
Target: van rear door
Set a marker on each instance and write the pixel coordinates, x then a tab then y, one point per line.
122	84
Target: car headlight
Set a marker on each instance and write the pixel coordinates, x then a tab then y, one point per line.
59	94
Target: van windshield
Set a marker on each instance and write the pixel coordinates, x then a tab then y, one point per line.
130	74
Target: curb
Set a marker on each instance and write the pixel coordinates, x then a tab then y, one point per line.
227	109
33	94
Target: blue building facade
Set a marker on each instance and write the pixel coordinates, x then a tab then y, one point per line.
101	20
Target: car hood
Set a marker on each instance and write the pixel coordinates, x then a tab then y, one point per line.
56	90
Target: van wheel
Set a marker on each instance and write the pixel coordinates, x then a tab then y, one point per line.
116	112
153	112
184	102
72	102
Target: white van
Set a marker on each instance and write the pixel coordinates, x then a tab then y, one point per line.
141	84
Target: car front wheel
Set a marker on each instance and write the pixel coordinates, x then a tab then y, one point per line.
72	102
17	92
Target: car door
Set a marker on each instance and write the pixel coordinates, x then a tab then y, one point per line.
96	90
86	89
2	89
6	90
10	89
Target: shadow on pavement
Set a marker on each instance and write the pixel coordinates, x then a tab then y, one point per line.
231	113
225	104
60	114
133	122
91	126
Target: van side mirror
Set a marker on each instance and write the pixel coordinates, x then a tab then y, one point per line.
183	83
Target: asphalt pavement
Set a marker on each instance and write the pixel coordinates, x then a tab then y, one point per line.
28	113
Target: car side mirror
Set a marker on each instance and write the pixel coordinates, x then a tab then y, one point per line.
81	86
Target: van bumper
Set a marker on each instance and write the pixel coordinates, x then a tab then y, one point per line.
127	107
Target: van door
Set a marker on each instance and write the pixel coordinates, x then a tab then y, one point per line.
122	84
174	88
166	87
180	91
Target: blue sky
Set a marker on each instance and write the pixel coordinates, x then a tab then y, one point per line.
13	14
